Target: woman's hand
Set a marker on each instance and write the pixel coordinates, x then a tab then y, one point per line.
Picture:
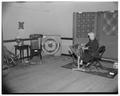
85	48
82	45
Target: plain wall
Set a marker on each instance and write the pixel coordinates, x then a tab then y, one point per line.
46	18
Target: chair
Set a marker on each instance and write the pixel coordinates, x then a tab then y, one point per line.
9	59
36	45
95	61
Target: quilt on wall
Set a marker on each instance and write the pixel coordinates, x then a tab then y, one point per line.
110	23
85	23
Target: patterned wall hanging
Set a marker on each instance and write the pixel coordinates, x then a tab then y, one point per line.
20	25
83	23
110	23
52	45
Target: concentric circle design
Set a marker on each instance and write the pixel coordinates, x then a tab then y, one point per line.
50	46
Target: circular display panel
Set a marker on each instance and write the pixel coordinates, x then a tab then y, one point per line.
51	46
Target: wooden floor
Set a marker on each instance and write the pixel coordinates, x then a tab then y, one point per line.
50	77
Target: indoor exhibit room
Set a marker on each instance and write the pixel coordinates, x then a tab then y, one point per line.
59	47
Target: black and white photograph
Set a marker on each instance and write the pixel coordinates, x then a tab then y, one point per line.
59	47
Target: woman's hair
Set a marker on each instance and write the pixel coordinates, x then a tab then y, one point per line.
91	34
